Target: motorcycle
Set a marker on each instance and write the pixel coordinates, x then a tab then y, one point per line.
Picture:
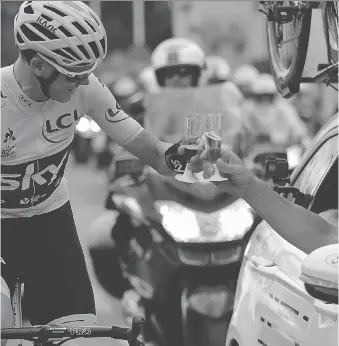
172	253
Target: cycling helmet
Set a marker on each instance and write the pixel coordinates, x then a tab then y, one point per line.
218	70
178	55
67	34
244	77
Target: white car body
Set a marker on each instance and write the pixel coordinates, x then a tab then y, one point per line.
272	306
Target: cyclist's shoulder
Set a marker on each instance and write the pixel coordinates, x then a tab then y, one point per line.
6	77
8	92
95	88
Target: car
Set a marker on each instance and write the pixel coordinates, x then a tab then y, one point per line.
273	305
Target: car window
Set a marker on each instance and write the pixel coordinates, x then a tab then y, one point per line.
313	174
318	182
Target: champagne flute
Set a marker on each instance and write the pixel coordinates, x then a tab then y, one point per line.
194	128
212	137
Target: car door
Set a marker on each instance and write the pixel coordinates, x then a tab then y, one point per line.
282	313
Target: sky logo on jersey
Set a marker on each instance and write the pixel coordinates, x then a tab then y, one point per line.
9	150
30	183
116	115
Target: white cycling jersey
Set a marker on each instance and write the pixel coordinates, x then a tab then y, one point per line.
36	138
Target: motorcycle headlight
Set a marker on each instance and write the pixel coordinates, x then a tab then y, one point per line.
94	126
187	225
83	125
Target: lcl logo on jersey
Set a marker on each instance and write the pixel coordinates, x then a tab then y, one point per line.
114	115
54	130
24	101
3	98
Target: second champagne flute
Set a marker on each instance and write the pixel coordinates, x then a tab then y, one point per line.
213	136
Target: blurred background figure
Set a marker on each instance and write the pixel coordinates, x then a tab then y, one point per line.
217	70
243	77
308	103
270	120
148	80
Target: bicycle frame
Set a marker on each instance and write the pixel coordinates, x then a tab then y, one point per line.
41	334
16	304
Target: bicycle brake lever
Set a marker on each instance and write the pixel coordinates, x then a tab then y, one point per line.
136	337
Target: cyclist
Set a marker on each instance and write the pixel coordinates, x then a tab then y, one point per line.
43	95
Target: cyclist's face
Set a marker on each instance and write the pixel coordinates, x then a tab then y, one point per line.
63	87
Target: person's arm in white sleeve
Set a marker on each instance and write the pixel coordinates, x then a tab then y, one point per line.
124	130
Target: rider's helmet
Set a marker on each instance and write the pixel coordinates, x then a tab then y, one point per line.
130	97
244	77
264	89
218	69
67	34
178	62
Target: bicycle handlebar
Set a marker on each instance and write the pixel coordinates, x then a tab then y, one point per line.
133	335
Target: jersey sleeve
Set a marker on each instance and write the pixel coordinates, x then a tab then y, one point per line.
103	108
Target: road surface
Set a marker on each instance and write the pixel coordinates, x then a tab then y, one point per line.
87	193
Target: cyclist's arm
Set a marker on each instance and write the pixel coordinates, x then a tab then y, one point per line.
101	105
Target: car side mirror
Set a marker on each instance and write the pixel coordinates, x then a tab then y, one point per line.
319	272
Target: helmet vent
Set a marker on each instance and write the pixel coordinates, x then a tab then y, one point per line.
63	54
58	12
46	17
80	28
19	38
28	9
83	51
45	31
72	53
95	19
92	27
65	31
32	36
103	44
94	48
